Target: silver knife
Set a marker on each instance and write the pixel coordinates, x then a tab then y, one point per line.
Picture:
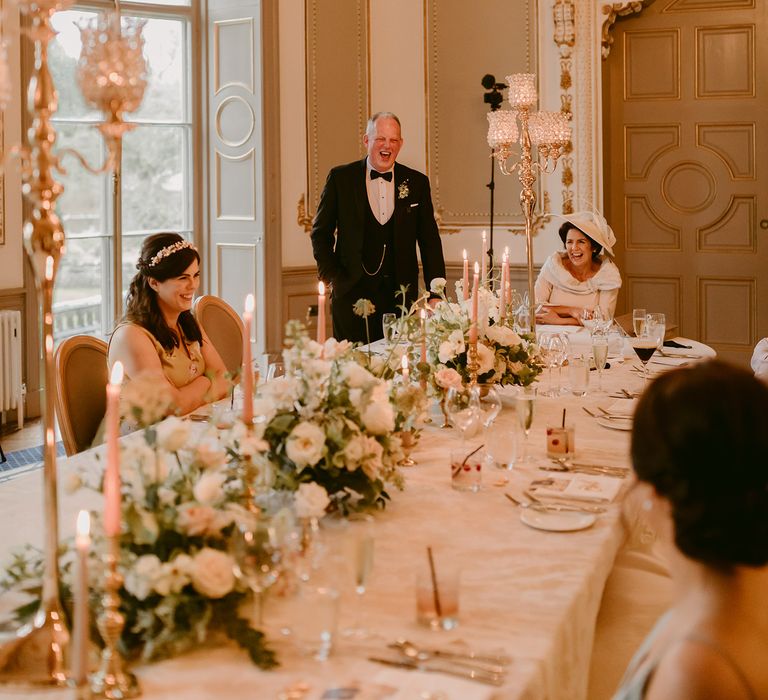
479	676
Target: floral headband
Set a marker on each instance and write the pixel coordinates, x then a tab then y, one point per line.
170	250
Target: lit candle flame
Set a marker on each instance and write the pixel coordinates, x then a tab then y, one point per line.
83	528
477	268
250	303
404	363
464	253
321	288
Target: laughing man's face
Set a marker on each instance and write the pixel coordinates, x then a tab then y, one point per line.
383	144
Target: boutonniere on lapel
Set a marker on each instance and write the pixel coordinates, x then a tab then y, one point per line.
402	190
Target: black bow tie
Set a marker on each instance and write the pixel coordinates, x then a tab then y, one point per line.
387	176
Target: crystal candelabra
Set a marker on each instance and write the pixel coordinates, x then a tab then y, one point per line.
112	73
548	131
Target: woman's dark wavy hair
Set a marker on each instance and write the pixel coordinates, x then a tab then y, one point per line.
596	247
141	304
700	438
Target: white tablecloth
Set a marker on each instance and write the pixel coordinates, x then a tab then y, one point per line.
533	594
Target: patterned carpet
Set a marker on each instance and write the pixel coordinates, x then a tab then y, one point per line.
28	457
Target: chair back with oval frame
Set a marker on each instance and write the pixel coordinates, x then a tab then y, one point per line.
81	390
223	327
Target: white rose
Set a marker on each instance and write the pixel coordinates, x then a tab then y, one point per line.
502	335
372	463
310	501
140	578
210	453
437	285
208	488
447	378
195	520
174	575
212	573
355	376
283	392
485	358
333	348
167	496
379	417
452	346
173	434
354	451
305	443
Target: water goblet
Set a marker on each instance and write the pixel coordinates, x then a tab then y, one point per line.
657	326
389	327
525	399
463	407
600	355
558	350
490	404
638	321
257	556
501	445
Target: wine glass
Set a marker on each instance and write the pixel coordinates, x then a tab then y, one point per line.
558	350
587	318
501	445
600	355
644	346
525	398
638	321
657	326
389	327
463	407
257	558
490	403
275	370
546	356
360	554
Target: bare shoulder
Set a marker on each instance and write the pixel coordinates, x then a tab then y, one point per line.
696	670
131	334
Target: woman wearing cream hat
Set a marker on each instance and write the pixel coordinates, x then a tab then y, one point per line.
584	276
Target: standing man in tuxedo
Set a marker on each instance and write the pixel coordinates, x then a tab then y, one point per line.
371	216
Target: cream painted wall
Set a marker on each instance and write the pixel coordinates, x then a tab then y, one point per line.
397	84
12	253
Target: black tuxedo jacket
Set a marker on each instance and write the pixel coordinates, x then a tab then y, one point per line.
337	231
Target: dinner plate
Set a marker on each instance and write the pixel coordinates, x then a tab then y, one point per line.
615	423
557	521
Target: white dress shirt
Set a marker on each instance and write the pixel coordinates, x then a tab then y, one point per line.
381	194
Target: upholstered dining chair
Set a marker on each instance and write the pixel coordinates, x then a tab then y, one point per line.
81	396
224	328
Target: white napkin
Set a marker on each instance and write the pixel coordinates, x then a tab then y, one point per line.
411	685
669	361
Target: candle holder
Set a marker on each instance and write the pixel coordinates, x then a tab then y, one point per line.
38	654
112	681
248	474
473	365
550	132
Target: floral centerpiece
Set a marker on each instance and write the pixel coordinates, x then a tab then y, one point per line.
504	356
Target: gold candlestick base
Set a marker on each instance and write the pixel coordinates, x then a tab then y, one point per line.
473	365
111	681
35	656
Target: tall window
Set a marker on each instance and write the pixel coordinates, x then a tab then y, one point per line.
156	192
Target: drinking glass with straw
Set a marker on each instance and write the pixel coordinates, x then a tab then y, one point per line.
437	593
600	355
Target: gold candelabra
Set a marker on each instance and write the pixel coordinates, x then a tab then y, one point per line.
115	80
550	132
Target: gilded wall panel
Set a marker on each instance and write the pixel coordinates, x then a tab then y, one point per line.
644	144
734	232
725	61
645	230
727	311
696	5
652	48
662	294
464	41
733	143
337	87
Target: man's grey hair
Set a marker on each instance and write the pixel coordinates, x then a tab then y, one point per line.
369	129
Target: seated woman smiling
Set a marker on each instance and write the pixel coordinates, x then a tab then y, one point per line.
583	277
159	335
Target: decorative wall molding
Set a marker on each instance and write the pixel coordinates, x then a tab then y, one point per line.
563	12
615	10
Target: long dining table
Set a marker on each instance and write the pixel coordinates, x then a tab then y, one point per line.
532	595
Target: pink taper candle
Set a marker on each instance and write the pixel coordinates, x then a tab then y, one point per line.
80	631
320	313
508	288
473	327
465	276
484	260
423	316
503	288
112	473
247	361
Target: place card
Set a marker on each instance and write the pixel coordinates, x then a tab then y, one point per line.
579	487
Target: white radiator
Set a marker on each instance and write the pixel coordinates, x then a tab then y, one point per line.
11	389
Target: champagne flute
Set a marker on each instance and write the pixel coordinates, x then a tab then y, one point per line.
638	321
525	397
558	347
257	559
361	547
600	355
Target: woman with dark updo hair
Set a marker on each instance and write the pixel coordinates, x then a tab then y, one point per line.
159	334
700	452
